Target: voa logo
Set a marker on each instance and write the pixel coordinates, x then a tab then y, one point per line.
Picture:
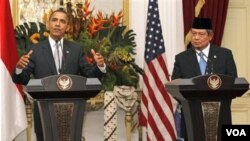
236	132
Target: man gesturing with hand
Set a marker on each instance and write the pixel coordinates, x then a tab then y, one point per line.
54	56
24	60
41	60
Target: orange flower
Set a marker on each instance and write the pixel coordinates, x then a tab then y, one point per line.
46	34
116	19
86	10
101	21
34	38
100	18
93	27
96	24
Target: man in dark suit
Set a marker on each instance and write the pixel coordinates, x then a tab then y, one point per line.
40	61
219	60
216	60
55	56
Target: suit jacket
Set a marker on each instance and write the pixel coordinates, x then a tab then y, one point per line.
220	61
42	62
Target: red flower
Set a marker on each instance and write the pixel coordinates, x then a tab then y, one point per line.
89	59
115	20
86	10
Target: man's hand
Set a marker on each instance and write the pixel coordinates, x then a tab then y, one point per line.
24	60
98	58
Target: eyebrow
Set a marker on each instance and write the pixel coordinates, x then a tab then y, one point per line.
55	18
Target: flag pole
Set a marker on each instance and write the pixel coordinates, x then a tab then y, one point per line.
29	119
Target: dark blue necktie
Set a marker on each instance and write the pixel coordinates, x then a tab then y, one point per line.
202	63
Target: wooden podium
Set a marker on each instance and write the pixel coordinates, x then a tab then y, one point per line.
206	103
61	103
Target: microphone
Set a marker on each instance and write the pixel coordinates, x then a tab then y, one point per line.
209	61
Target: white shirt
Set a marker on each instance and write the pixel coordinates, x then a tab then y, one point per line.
205	52
54	45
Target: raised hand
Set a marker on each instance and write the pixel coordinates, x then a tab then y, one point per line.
99	59
24	60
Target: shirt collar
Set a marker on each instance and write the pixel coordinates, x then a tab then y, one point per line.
205	50
53	42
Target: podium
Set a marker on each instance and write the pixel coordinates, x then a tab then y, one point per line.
206	103
60	105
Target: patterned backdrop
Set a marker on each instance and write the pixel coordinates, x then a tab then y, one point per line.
33	10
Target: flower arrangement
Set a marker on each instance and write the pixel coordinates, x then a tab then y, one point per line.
103	33
27	34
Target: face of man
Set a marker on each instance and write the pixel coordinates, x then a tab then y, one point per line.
57	25
200	38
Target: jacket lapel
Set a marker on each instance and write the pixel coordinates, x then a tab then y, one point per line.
213	54
194	62
66	55
47	53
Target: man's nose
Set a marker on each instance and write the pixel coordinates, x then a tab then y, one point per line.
57	23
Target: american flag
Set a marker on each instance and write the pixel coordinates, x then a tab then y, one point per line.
157	110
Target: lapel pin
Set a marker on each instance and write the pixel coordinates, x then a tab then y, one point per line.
215	56
67	51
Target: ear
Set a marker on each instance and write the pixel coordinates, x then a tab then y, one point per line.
211	35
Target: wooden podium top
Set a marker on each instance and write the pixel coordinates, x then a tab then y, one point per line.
212	85
63	86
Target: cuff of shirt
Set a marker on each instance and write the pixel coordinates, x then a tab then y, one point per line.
18	71
102	69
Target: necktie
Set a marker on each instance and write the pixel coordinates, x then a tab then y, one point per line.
58	56
202	63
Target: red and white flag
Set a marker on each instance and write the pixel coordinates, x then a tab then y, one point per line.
12	109
157	108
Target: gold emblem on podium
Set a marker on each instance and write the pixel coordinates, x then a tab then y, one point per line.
64	82
214	82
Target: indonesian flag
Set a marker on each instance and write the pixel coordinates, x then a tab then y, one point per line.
12	109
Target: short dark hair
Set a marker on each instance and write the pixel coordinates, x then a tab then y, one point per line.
59	10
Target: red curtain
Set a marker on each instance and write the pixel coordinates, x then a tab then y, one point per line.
214	9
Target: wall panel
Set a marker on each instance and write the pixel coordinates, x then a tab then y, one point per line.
236	37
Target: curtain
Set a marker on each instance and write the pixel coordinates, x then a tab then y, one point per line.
214	9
